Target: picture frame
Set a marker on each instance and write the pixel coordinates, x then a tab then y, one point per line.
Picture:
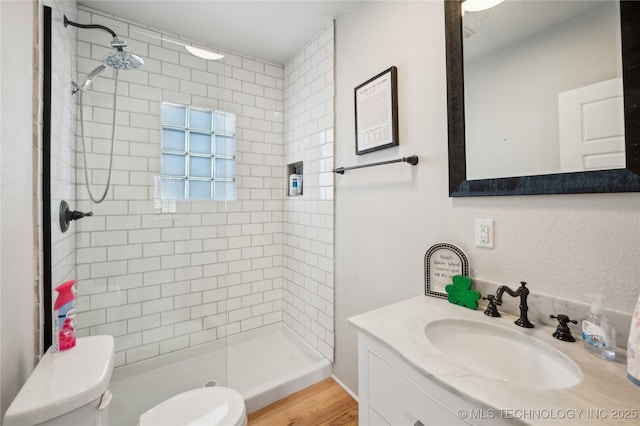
441	263
376	109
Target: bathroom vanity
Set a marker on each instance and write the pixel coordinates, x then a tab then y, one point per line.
425	361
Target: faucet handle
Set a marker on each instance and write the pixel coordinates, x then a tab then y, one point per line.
492	300
563	332
563	319
492	310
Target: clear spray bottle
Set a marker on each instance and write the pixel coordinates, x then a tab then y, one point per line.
597	333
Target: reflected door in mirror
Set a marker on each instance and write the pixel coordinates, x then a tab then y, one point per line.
520	60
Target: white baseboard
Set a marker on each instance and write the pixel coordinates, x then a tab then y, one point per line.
343	386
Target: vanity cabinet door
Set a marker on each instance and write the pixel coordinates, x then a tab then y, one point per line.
393	393
399	401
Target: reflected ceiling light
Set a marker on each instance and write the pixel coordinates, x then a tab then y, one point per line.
204	54
479	5
195	51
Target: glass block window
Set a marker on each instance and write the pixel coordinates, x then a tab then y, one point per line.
198	153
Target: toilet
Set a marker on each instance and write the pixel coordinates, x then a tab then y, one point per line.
67	388
211	406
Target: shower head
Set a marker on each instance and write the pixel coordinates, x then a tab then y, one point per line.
122	60
89	79
118	60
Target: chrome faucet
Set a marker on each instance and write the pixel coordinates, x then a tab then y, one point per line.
521	292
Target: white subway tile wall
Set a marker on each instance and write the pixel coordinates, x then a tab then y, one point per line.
308	219
161	282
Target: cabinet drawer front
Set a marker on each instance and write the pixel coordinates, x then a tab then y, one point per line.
400	401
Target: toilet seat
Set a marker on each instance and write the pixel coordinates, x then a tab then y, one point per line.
202	406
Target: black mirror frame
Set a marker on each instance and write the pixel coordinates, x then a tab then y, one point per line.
603	181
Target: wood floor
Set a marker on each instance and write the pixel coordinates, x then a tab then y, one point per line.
324	403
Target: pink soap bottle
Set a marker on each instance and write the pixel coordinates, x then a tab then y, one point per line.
65	315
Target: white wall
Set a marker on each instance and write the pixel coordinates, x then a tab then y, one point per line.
387	217
18	202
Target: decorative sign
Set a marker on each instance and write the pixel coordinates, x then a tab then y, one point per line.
441	262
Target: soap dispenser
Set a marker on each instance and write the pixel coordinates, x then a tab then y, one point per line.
597	332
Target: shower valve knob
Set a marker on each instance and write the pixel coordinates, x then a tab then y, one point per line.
75	215
67	215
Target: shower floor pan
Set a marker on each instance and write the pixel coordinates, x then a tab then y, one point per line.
264	365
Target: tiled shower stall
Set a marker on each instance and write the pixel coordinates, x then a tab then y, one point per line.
161	275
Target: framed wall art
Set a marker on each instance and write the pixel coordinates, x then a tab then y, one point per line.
376	106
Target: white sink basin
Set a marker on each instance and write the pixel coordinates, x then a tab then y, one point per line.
501	354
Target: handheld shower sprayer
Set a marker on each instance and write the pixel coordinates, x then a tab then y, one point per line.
88	79
119	60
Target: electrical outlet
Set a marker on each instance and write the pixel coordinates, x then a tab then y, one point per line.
484	233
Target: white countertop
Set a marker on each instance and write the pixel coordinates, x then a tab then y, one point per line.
603	395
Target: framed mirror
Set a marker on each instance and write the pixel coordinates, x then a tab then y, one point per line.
617	172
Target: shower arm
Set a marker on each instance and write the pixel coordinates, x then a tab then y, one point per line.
67	22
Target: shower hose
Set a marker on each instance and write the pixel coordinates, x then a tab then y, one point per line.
113	143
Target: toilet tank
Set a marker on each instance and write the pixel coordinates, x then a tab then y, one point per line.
67	388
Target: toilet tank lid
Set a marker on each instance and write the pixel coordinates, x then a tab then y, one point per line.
64	381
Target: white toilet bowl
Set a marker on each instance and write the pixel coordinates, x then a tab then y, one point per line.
210	406
67	388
